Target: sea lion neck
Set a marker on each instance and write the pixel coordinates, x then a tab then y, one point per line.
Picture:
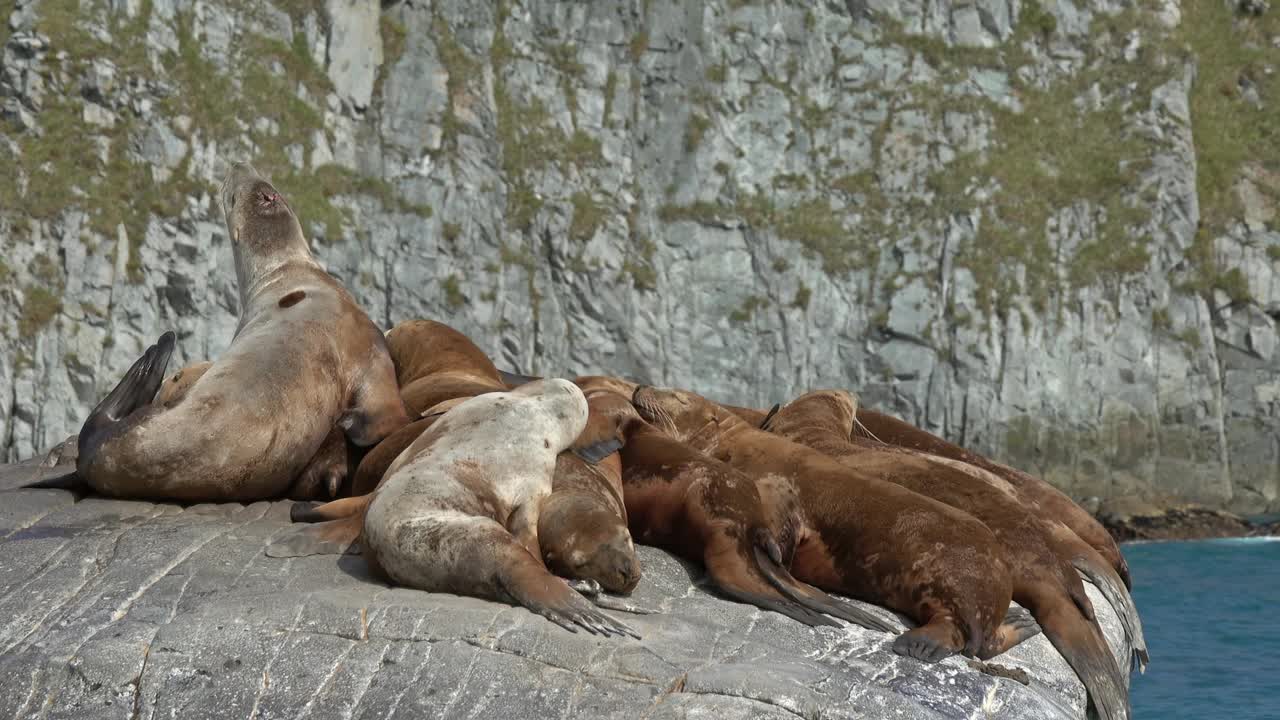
257	268
263	277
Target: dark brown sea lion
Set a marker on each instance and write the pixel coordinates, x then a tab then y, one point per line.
709	513
305	358
862	536
582	528
1051	501
1044	579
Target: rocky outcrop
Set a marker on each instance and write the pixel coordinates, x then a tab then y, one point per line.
1131	519
1045	230
118	609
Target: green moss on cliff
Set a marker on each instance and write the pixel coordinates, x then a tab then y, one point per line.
1233	116
38	309
588	215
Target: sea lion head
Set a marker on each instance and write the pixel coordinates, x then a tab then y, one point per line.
833	410
583	539
564	402
259	219
176	387
679	413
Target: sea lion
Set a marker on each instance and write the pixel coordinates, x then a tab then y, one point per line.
305	358
325	472
1051	501
435	362
1044	579
175	388
1104	567
458	510
708	513
582	526
861	536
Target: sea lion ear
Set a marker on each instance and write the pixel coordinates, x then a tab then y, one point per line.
764	424
596	452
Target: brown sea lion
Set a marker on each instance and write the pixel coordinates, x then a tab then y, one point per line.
305	358
1044	579
1105	567
862	536
709	513
582	527
458	510
1051	501
435	362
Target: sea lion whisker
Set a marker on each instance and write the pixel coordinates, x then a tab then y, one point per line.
857	424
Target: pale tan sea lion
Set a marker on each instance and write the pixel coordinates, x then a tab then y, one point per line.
458	510
305	358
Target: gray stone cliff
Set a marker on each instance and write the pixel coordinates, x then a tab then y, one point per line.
1045	230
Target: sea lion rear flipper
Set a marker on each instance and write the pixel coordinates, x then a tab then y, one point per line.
1105	579
332	537
515	380
313	512
66	481
1081	644
764	424
593	454
767	560
136	389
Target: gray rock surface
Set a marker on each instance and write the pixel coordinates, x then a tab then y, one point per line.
115	609
981	216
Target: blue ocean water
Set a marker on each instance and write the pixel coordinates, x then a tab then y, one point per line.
1208	610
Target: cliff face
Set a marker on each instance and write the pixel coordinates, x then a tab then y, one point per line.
1046	231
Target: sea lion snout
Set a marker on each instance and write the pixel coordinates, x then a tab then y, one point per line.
238	176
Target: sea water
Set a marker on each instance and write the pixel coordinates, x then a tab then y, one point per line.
1209	609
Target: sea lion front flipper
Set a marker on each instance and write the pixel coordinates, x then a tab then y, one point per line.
769	560
593	454
523	526
931	642
332	537
1018	626
592	591
1081	644
526	582
376	410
